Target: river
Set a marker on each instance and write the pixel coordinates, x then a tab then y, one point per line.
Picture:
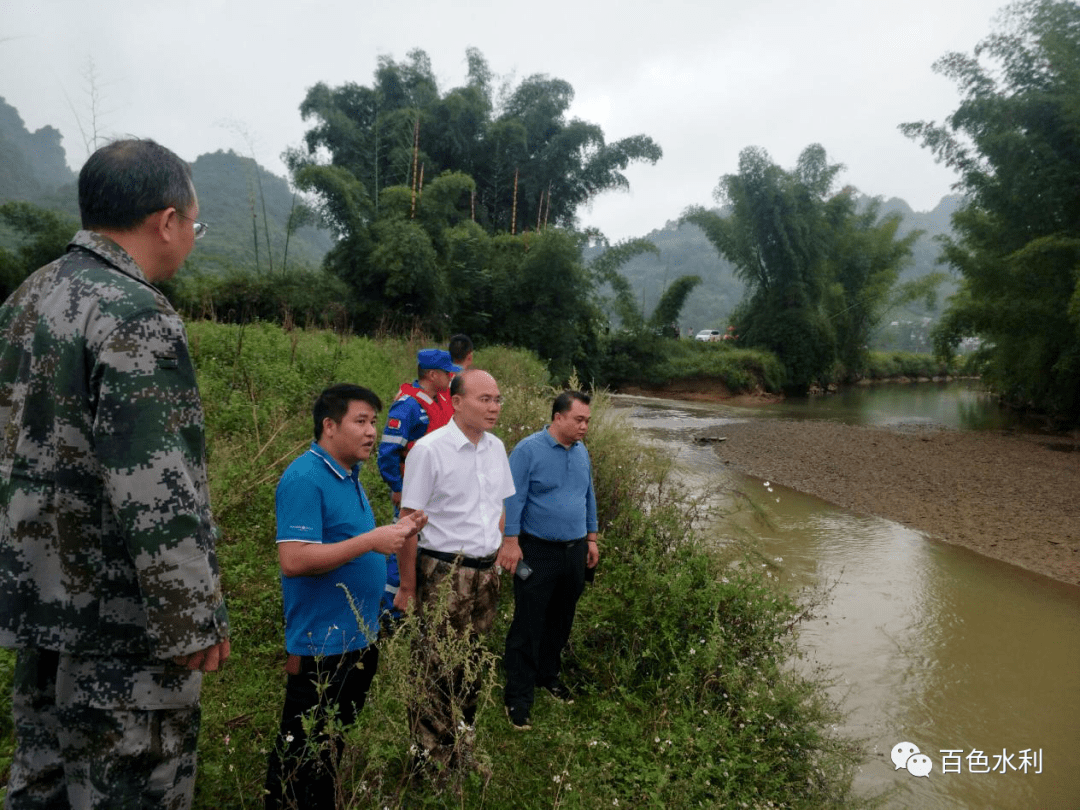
973	661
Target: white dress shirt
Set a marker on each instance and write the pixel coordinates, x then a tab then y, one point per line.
461	486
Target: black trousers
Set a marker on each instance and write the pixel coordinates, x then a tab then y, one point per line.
544	606
302	775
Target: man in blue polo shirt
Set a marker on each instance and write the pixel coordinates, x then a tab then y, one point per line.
333	571
551	528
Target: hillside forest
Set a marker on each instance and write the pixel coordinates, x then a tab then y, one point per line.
414	207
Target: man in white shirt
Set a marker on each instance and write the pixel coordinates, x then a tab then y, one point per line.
459	475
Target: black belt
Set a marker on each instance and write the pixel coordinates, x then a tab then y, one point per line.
534	538
480	563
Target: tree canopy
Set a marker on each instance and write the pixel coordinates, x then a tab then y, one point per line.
456	211
818	273
43	237
382	134
1015	142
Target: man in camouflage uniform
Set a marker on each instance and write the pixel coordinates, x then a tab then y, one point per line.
109	584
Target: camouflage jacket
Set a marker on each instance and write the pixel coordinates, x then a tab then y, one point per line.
106	536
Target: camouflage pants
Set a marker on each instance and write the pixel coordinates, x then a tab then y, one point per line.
70	752
457	604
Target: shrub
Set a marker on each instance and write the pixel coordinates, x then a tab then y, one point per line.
678	658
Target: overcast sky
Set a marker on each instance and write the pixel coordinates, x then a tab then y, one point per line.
704	79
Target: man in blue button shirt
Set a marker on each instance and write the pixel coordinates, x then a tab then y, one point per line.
551	527
333	571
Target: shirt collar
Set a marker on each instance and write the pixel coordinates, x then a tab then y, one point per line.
553	442
335	467
459	439
105	248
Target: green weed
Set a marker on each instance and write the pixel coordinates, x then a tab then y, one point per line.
678	653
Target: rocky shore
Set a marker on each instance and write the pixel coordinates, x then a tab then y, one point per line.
1014	497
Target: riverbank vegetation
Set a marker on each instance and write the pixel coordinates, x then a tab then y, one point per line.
724	369
489	244
820	273
1014	142
678	656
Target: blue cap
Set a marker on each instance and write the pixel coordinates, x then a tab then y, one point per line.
436	358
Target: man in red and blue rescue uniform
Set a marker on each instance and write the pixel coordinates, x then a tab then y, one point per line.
419	409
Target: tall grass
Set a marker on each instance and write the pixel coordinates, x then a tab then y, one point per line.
636	358
907	365
677	657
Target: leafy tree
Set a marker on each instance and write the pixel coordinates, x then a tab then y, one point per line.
605	268
44	234
864	266
543	294
419	187
778	236
559	164
1015	142
819	275
671	303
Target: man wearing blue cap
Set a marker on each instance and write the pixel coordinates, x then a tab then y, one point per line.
419	408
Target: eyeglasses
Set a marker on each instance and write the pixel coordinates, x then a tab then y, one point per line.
198	227
488	400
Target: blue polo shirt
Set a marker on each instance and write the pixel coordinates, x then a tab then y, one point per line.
554	498
319	501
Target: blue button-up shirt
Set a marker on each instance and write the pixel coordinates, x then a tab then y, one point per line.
554	498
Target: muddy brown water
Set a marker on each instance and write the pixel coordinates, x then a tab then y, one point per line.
973	661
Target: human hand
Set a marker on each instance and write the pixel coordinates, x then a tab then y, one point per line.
593	554
404	598
209	660
415	520
390	538
510	555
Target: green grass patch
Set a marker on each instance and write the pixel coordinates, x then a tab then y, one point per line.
891	365
678	656
638	358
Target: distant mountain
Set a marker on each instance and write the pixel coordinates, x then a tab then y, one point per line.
32	164
684	250
232	192
235	194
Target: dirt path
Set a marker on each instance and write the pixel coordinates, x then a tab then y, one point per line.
1012	497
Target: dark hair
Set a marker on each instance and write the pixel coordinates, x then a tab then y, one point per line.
125	181
457	383
565	401
334	402
459	348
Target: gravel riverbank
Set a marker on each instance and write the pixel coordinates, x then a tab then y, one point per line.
1014	497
